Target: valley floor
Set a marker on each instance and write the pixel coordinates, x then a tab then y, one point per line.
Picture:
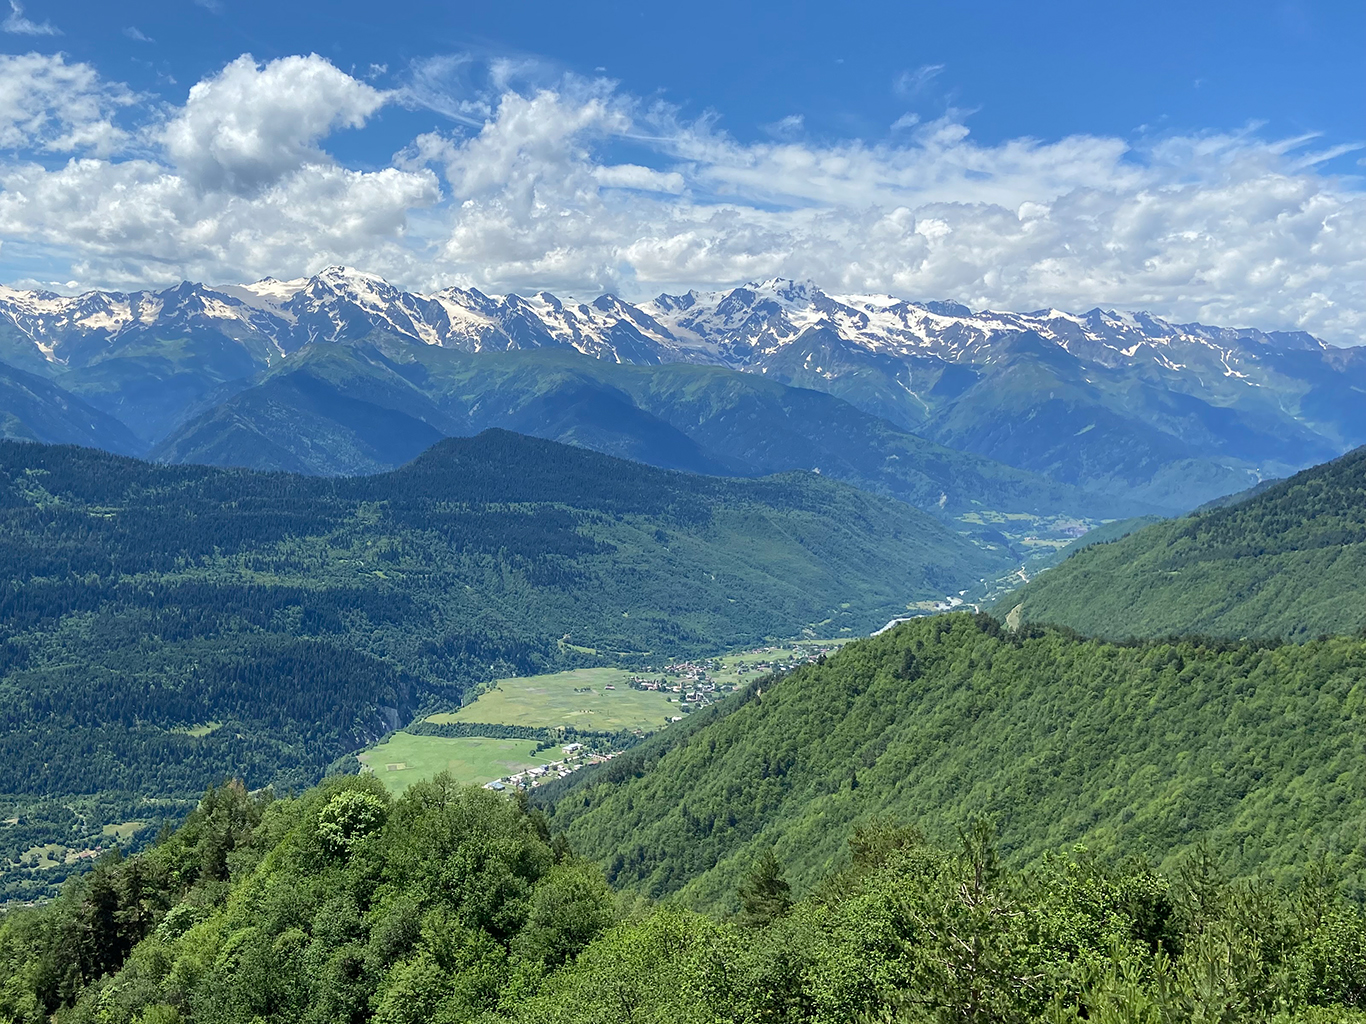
568	720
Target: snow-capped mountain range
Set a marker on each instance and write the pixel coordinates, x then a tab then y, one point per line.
1122	403
740	328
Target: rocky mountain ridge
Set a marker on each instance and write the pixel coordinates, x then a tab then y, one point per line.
738	327
1124	404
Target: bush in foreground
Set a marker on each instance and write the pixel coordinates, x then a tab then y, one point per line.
454	904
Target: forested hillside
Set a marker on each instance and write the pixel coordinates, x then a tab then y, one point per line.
1143	750
164	627
1289	561
454	905
366	407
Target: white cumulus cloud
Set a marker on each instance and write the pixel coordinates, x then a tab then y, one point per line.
573	186
231	186
248	126
51	105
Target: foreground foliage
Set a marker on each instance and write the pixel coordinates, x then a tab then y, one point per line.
452	904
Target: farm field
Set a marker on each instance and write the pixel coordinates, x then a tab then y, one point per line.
550	700
473	759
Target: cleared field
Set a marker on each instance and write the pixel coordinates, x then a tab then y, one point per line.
122	831
404	759
579	698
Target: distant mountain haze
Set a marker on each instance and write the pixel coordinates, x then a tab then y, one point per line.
341	409
1122	405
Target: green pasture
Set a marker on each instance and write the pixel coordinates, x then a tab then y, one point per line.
782	655
550	700
404	759
199	731
121	832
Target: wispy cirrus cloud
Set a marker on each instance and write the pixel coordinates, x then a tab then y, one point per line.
912	82
17	23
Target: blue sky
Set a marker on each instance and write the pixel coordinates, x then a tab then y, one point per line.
1041	69
1197	159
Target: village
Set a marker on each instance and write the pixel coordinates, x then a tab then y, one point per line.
691	685
576	756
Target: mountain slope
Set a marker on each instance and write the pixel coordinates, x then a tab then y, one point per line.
453	904
337	409
153	377
1176	413
33	408
1140	750
1289	561
1037	407
301	616
1120	403
359	408
317	415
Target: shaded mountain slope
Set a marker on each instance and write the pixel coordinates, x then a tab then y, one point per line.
350	408
1288	561
33	408
1038	407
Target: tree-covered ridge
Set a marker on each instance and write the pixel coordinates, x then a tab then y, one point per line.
453	905
1144	749
336	409
1288	561
162	627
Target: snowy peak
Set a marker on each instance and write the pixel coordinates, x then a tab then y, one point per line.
741	327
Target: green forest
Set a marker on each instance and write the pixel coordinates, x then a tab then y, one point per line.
1146	749
453	904
955	820
163	628
1290	562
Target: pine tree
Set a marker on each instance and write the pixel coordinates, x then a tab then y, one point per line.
764	894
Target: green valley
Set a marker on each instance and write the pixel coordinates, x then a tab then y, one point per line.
403	758
308	616
575	718
594	699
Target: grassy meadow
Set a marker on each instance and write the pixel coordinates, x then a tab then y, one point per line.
404	759
578	698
